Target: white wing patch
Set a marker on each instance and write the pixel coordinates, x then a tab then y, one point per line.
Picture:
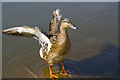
44	41
25	30
32	32
58	14
41	53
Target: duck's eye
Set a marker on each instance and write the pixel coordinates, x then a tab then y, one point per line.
66	22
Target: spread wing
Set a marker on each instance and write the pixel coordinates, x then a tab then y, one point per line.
35	32
54	25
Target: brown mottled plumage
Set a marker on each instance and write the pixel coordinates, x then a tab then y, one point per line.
54	26
55	46
60	48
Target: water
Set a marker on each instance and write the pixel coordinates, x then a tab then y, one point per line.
94	46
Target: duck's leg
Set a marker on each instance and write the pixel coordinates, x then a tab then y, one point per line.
51	74
63	71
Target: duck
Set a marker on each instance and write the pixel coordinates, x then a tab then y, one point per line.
55	45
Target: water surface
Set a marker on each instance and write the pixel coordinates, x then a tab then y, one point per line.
94	46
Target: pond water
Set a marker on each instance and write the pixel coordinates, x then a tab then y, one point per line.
93	46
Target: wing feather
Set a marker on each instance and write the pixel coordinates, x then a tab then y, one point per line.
35	32
54	25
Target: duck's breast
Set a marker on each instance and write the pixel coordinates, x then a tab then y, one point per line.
59	51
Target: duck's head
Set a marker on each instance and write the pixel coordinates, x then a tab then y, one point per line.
65	23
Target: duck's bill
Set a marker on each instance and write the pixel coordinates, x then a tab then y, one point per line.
73	27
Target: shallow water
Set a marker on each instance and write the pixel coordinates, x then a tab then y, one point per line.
94	45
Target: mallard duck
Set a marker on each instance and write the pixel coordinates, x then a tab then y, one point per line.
54	46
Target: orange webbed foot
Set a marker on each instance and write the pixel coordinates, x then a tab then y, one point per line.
53	75
63	71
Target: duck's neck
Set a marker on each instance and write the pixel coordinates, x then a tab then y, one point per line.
63	37
63	31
